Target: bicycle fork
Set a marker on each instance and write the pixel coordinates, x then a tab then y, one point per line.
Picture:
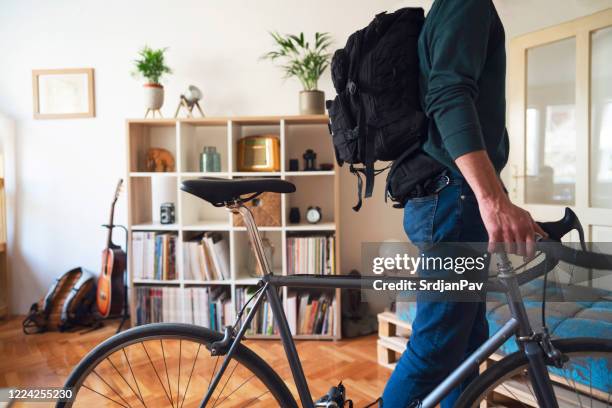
537	347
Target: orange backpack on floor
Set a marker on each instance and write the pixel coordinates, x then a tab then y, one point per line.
68	303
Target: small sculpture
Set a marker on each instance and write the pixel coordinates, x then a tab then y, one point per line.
310	160
189	100
159	160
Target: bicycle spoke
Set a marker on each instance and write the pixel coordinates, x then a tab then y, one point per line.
178	385
112	389
104	396
161	343
123	378
237	388
156	373
513	395
577	393
134	377
531	389
224	385
256	398
190	374
213	371
591	384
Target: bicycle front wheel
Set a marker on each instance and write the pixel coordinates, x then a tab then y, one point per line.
169	365
584	381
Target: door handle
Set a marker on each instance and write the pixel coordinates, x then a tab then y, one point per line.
516	177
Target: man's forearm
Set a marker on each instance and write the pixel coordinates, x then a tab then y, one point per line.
480	174
504	221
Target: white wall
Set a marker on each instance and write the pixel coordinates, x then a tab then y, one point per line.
66	169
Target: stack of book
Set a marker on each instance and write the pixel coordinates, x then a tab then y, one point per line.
207	257
153	255
158	304
209	307
310	313
313	255
263	322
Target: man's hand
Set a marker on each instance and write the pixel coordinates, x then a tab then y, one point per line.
506	223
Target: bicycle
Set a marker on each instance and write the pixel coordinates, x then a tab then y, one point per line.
154	364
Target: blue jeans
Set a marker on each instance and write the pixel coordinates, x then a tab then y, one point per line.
443	332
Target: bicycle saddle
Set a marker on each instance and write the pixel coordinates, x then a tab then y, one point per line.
218	191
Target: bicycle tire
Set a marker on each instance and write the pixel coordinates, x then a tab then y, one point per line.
175	331
514	363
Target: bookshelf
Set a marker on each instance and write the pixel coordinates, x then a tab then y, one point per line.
185	138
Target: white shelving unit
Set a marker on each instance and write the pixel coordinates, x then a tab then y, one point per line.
185	138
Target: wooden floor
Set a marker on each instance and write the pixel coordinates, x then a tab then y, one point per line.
46	359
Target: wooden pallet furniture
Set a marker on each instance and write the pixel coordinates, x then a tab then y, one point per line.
393	335
185	138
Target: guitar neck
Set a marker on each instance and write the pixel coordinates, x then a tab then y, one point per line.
109	238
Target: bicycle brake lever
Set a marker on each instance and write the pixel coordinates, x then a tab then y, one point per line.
557	229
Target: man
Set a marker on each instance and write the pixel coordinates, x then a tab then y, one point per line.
462	63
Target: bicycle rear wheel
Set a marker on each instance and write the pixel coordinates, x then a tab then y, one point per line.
584	381
169	365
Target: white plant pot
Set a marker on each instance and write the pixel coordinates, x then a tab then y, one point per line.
153	96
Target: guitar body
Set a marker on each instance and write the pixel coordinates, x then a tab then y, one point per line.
111	286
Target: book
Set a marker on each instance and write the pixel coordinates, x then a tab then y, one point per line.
292	312
154	256
209	258
195	266
218	248
313	254
302	311
138	259
221	247
158	304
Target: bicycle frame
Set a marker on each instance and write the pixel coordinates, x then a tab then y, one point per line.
518	325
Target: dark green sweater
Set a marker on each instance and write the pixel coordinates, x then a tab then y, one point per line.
462	61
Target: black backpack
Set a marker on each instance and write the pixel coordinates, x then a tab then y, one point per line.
377	113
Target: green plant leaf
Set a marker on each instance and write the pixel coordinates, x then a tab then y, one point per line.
151	64
301	60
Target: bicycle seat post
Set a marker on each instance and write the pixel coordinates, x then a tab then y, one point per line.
238	207
504	265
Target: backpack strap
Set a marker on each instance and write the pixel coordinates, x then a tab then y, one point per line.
84	278
353	88
46	304
357	171
35	321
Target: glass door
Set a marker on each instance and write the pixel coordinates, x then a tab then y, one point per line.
560	122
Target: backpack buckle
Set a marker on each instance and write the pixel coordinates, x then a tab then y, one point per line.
351	87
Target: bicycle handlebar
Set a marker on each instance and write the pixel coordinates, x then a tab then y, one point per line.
555	251
578	257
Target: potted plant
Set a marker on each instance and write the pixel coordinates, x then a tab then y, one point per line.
151	65
307	63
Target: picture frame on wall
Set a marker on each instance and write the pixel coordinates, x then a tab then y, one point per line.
63	93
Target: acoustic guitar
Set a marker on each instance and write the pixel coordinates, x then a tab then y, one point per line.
111	287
